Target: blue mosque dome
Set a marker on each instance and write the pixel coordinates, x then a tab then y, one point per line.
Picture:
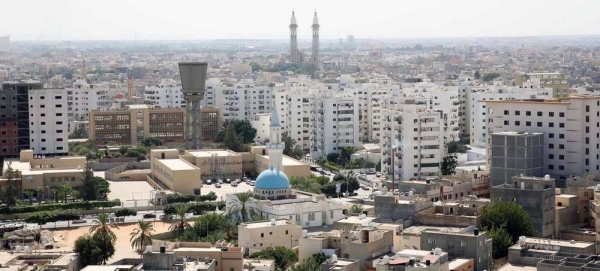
272	179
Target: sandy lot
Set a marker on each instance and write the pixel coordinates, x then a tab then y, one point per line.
66	239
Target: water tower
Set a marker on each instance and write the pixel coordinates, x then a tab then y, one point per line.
193	82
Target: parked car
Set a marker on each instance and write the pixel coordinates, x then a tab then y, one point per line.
208	182
220	181
149	215
79	221
252	183
364	187
377	174
228	180
218	185
234	183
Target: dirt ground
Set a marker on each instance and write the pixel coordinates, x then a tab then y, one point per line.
66	239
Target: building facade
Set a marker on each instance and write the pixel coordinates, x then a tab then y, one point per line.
49	122
513	154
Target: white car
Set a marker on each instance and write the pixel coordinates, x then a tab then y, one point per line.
252	183
378	174
220	181
234	183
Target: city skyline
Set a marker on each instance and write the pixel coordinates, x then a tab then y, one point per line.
185	20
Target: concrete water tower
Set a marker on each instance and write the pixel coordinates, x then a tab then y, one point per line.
193	82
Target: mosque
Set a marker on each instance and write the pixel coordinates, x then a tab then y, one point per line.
274	198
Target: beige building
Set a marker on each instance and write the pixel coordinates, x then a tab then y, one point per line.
290	166
256	236
40	172
228	257
259	264
555	80
413	260
171	172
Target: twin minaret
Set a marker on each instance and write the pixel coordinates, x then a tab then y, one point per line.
295	55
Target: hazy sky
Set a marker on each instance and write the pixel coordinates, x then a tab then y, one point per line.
269	19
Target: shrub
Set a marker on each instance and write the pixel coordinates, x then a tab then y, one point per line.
125	212
197	208
52	216
177	198
83	205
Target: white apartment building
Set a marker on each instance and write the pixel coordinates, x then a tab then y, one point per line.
571	128
48	121
83	97
335	123
416	140
240	100
165	95
370	96
261	122
296	107
476	104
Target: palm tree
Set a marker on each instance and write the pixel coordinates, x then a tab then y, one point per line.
142	235
239	204
230	227
103	227
181	223
215	236
39	193
29	194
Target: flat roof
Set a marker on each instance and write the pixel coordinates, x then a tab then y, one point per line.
288	161
138	106
555	242
264	224
106	267
515	133
457	263
50	170
16	164
209	153
176	164
512	267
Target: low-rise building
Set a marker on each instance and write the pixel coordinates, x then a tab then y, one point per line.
531	251
194	256
259	264
468	243
462	213
256	236
340	264
410	259
395	208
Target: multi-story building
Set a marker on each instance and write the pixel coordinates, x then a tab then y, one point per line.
513	154
167	94
83	97
555	80
14	117
194	256
131	125
468	243
335	125
570	126
240	100
535	195
256	236
49	130
476	105
413	144
551	254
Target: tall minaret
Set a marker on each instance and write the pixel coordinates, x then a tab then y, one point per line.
275	146
293	40
315	40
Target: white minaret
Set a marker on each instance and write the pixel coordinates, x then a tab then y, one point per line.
293	40
315	40
275	146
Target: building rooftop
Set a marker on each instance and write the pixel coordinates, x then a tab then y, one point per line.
65	259
457	263
259	262
176	164
554	242
287	161
209	153
50	170
106	267
512	267
198	265
515	133
265	224
138	106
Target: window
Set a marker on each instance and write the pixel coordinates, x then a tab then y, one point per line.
551	114
517	113
550	124
551	167
59	139
286	232
561	146
561	157
57	97
311	217
527	113
463	243
506	122
550	156
42	106
551	135
551	146
517	123
561	125
59	131
561	167
539	113
431	241
262	234
561	114
539	124
506	112
58	105
58	114
561	135
43	131
528	123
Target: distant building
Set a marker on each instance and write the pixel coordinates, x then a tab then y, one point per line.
257	236
167	94
413	260
555	80
5	43
469	243
194	256
551	254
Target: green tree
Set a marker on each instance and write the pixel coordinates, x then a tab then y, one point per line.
29	194
149	142
245	130
79	132
312	263
230	229
231	140
501	242
477	75
141	236
490	76
454	147
449	165
180	224
104	236
506	216
306	184
11	190
90	253
239	204
284	257
291	149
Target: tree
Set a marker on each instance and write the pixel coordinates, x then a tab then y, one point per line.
449	165
229	228
245	129
181	223
490	76
312	263
104	236
150	142
64	190
356	209
506	216
284	257
239	204
29	194
141	236
231	140
345	155
306	184
291	149
11	188
79	132
89	251
502	241
477	75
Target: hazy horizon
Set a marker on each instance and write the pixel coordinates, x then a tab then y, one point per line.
181	20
